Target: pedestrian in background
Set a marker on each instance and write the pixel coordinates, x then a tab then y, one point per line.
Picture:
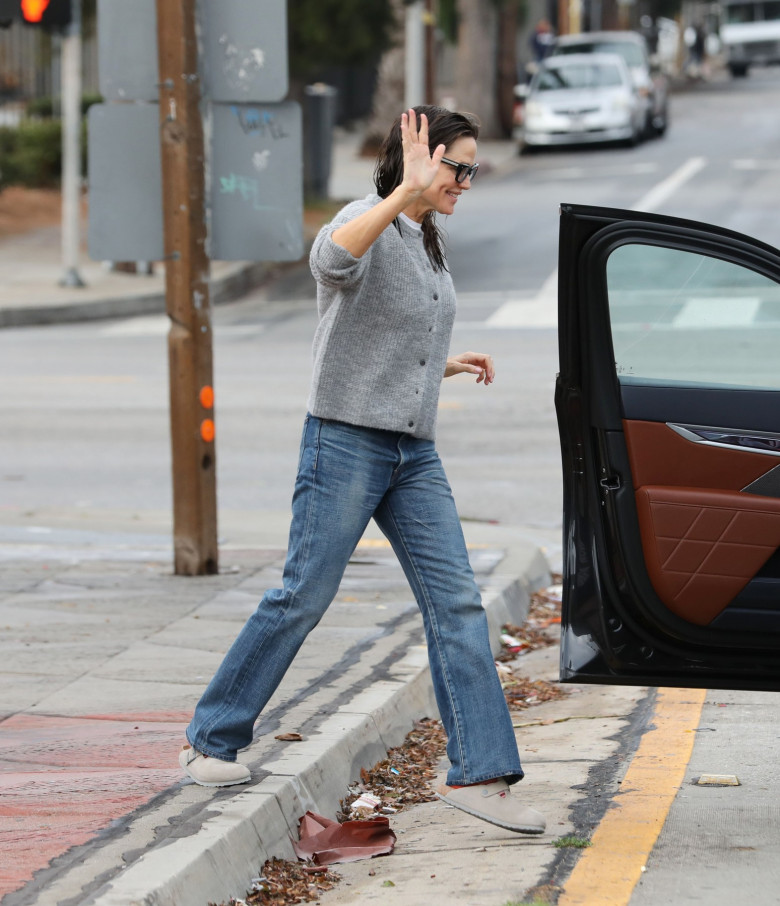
541	39
386	304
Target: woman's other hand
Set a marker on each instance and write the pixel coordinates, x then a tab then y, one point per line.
472	363
420	166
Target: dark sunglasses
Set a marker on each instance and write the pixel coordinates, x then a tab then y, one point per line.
462	171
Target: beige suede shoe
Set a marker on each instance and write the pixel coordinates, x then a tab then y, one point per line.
212	771
493	802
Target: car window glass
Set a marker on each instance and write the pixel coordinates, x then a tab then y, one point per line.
740	12
584	75
678	316
631	52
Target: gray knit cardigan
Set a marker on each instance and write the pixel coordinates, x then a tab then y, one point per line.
381	345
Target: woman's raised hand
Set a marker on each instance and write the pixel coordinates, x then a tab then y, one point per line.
420	166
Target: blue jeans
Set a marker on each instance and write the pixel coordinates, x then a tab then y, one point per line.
346	475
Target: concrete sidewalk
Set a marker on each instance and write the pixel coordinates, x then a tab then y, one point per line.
31	264
103	658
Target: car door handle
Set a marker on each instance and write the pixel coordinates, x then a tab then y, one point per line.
756	441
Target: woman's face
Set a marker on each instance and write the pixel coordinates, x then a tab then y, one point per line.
443	193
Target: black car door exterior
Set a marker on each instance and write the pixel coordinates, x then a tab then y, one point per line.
668	404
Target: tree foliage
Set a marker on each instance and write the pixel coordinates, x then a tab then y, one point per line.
325	33
447	19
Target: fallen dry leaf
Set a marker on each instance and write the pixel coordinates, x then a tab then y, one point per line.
284	883
404	777
540	630
521	692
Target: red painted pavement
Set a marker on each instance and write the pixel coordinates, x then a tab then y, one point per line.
64	779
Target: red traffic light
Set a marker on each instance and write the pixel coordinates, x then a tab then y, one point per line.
50	15
33	10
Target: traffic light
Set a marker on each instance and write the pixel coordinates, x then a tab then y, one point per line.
51	15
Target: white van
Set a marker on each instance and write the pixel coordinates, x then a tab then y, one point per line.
750	34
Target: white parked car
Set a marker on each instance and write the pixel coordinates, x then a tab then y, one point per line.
581	98
649	80
750	34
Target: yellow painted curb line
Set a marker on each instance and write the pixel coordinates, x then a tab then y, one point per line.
609	869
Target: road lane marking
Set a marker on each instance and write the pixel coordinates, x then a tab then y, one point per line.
610	868
542	309
667	187
591	172
141	326
749	164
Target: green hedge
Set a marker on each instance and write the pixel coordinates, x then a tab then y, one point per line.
43	108
31	154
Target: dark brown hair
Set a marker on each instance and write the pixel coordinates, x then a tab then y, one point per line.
444	127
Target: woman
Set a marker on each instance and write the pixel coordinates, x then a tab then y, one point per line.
386	304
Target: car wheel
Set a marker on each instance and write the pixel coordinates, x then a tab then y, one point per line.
661	124
634	139
738	70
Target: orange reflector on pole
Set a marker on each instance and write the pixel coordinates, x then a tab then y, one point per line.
33	10
207	397
207	430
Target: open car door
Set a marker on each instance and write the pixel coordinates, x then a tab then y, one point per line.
668	404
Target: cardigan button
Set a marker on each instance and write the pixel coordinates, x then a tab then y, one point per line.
411	424
422	361
435	297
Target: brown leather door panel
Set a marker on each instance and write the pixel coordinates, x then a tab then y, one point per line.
702	547
659	456
702	539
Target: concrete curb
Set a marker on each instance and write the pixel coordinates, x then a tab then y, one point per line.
350	178
242	832
227	287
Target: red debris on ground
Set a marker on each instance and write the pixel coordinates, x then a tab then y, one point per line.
325	841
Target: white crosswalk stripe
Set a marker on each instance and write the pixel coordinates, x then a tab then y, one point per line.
703	314
514	310
159	325
540	311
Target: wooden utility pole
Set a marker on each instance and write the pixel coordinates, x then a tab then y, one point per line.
187	292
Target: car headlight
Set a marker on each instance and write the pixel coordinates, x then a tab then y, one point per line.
533	108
